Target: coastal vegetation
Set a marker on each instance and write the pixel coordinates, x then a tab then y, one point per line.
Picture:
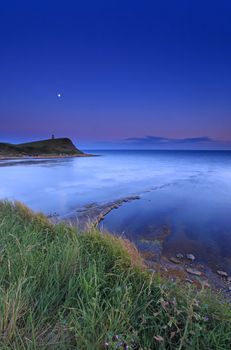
50	147
60	289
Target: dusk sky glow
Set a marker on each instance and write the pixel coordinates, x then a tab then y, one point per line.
123	69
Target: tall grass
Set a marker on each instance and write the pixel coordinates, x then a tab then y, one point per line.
62	290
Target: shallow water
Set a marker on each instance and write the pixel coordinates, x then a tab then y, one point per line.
187	192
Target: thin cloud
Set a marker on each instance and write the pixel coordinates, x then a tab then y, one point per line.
161	143
153	140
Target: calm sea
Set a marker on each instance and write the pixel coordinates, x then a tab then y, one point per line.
188	192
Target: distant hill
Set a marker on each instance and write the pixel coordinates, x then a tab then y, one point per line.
51	147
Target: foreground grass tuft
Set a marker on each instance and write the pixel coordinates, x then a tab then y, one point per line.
62	290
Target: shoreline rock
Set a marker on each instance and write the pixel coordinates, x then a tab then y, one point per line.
193	271
190	257
93	213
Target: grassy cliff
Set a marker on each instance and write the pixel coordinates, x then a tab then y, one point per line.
61	146
62	290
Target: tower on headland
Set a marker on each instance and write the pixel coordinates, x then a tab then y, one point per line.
52	136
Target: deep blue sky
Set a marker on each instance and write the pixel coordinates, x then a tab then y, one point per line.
125	69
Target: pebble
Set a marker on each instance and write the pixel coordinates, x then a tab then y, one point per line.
206	285
222	273
229	289
180	256
190	257
174	260
194	272
189	281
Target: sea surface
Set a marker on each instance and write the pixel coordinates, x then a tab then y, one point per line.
187	193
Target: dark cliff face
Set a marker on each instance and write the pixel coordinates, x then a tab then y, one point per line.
61	146
6	148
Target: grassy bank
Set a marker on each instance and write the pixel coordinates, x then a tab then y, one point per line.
44	148
60	290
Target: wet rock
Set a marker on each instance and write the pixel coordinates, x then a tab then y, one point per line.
229	279
188	281
222	273
190	257
52	215
194	272
94	212
229	289
174	260
180	256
